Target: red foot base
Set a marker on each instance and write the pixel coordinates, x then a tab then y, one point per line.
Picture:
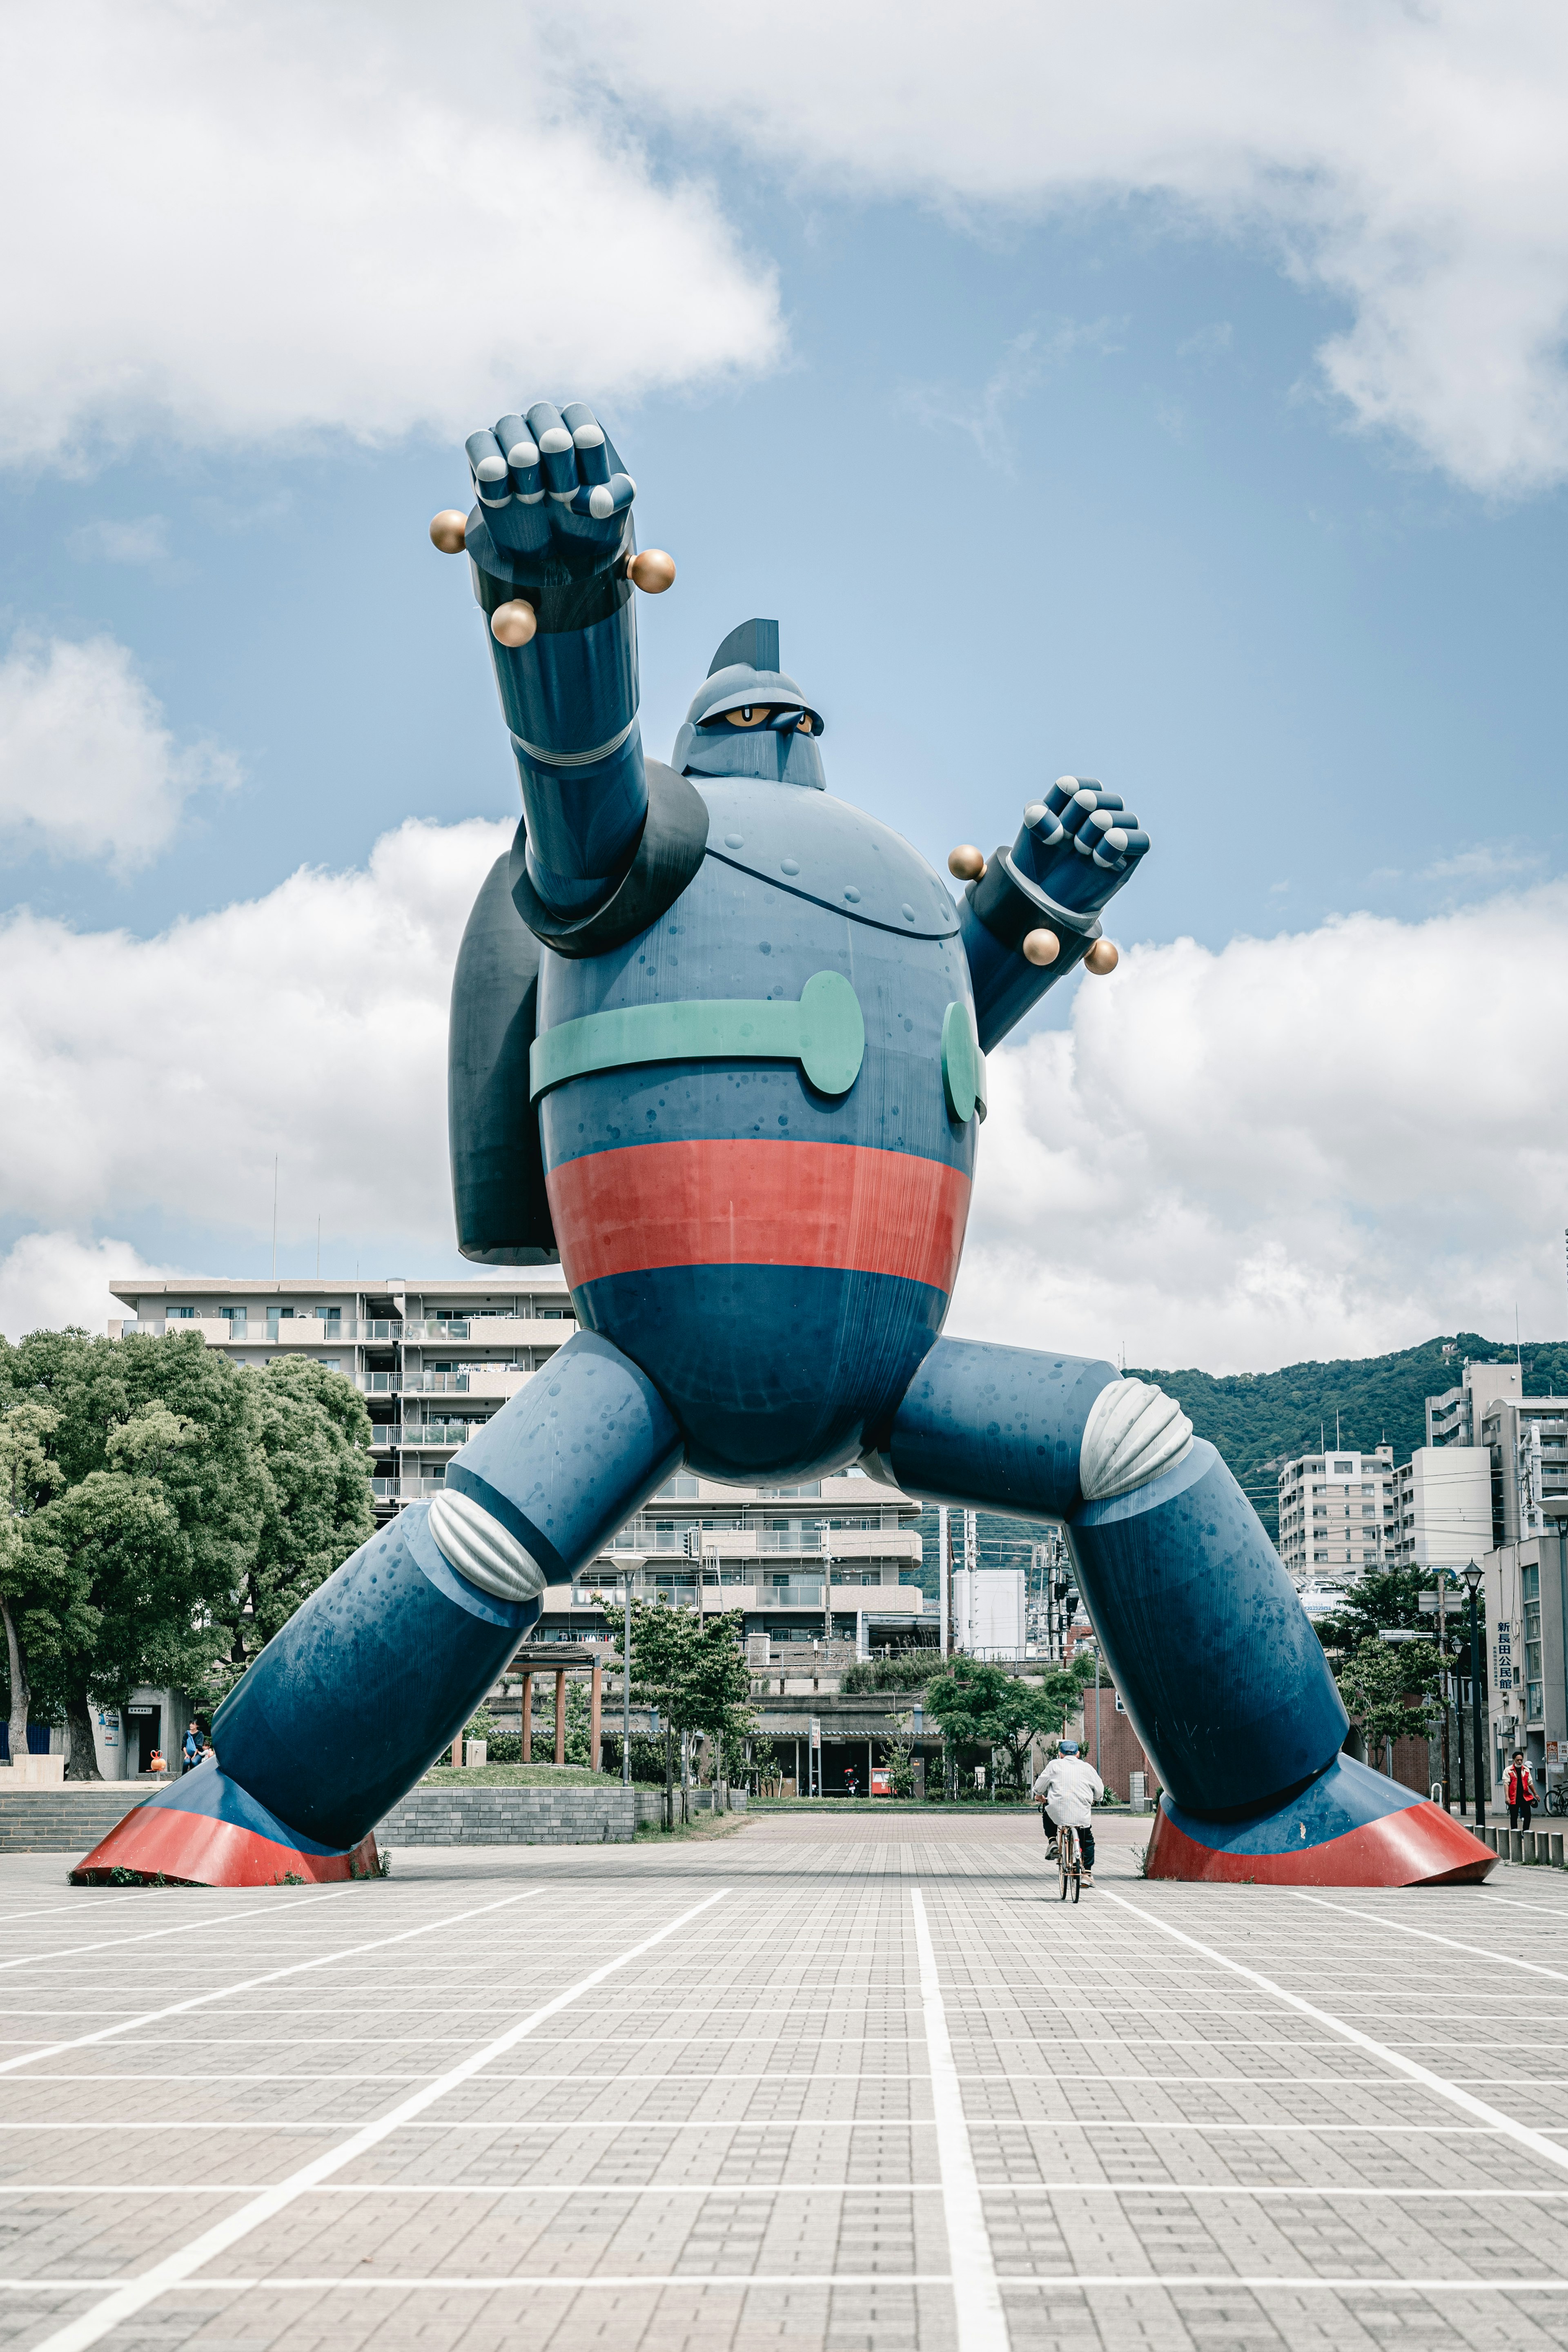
1351	1828
204	1832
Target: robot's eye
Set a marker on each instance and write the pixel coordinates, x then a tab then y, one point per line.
753	715
804	722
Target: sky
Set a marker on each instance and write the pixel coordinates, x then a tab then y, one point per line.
1172	394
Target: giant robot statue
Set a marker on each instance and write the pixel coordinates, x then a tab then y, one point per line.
718	1039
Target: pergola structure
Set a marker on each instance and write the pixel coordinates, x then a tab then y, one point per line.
560	1658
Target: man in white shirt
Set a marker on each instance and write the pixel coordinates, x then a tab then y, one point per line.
1066	1791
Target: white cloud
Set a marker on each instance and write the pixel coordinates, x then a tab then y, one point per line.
237	221
165	1072
143	541
87	768
1329	1143
50	1279
1407	161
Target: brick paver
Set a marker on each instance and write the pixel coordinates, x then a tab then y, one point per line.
740	2138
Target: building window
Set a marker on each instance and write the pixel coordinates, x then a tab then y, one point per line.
1533	1680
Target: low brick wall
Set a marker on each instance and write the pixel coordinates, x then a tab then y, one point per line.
433	1815
68	1820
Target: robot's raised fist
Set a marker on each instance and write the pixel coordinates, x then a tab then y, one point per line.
551	485
1079	843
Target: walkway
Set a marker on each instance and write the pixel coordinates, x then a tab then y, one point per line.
858	2085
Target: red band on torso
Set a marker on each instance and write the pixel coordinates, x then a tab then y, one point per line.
752	1202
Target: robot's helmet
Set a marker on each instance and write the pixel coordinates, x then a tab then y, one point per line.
749	717
1067	1748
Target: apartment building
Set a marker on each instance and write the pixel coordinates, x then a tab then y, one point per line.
1442	1508
1455	1418
1336	1511
820	1561
1526	1587
1526	1439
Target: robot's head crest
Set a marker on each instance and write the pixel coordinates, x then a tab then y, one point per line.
749	717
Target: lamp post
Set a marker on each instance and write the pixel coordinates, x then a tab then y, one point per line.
1472	1579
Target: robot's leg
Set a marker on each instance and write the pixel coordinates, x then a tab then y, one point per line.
382	1665
1217	1664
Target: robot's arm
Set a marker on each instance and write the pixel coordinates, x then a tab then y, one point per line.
554	557
1031	916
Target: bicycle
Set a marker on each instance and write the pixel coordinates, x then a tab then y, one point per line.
1069	1860
1556	1797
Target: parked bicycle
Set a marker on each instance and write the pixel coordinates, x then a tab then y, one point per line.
1556	1797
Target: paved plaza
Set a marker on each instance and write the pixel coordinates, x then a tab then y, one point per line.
848	2083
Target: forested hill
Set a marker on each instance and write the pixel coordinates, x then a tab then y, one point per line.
1258	1418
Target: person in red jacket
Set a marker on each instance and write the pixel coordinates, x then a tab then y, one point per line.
1519	1791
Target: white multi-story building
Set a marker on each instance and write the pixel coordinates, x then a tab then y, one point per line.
1455	1418
818	1561
1526	1439
1442	1508
1336	1512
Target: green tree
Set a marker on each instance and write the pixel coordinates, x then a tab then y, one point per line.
1392	1600
1390	1689
694	1670
981	1706
188	1503
35	1597
311	1434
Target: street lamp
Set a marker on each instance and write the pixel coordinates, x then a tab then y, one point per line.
1473	1579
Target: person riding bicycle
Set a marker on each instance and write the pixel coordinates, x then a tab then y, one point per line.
1066	1791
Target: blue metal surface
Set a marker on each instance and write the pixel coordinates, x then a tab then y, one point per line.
1215	1659
1348	1796
999	1426
571	1454
370	1679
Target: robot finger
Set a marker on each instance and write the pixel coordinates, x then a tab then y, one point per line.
588	440
1120	846
1044	825
523	459
1077	816
556	454
1059	796
488	466
605	498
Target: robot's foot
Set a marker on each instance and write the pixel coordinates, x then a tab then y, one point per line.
204	1830
1353	1827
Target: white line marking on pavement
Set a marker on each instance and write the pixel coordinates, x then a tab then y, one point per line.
53	1910
175	2269
1535	2141
1417	2191
981	2322
283	2125
255	1917
621	2282
249	1984
1558	1911
1429	1935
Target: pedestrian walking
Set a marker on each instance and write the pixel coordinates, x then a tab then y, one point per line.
1519	1791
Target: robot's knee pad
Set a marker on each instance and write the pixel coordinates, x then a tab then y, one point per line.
1133	1432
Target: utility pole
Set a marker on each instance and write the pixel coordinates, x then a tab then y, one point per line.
626	1688
944	1598
1443	1654
1473	1577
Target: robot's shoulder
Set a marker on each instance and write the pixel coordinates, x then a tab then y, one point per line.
828	851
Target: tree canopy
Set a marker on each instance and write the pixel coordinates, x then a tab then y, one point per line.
165	1512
